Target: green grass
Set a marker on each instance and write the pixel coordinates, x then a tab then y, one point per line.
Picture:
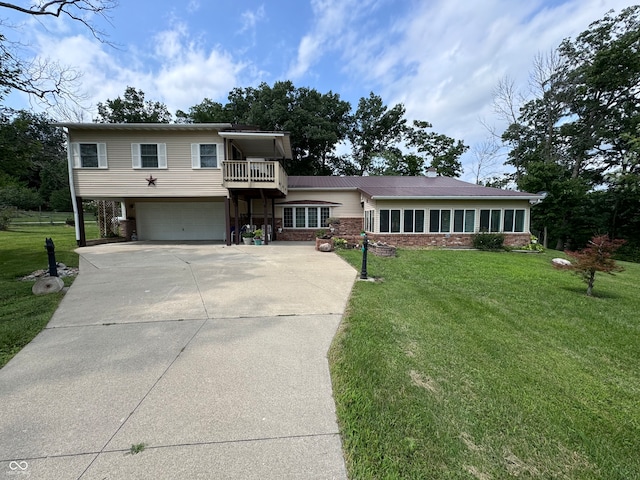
464	364
22	314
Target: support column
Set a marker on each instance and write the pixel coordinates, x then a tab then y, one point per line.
236	211
227	221
273	218
82	241
265	214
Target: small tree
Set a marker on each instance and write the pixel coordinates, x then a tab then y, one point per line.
595	257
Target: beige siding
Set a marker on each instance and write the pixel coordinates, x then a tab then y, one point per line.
349	201
179	179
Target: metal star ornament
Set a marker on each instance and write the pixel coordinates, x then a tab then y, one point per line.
151	181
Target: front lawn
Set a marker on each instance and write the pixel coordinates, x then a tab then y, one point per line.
22	251
465	364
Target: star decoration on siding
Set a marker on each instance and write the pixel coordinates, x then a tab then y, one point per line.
151	181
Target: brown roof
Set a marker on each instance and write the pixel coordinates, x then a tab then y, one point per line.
405	187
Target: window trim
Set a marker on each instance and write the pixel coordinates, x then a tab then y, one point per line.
320	217
388	226
514	220
465	213
196	162
136	157
441	218
76	156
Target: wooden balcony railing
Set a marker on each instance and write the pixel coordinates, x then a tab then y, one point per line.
254	174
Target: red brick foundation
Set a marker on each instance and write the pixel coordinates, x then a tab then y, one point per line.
350	228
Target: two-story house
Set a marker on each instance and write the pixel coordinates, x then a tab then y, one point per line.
184	182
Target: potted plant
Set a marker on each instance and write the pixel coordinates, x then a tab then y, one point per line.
257	237
247	237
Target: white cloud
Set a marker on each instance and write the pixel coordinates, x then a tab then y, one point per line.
251	18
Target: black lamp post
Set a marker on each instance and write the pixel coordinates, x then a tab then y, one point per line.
365	247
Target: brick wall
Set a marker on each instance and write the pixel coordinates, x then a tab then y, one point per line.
350	228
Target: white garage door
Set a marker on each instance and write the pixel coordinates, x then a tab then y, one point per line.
180	221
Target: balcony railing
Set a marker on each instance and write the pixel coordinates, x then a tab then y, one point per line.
254	174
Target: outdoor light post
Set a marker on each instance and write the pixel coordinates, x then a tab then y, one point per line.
51	252
365	247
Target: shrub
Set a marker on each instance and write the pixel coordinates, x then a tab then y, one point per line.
488	241
6	215
19	197
339	243
322	233
60	200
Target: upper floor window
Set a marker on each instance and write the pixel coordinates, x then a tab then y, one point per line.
89	155
149	155
206	155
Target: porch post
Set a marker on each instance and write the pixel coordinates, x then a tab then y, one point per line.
82	236
265	214
234	199
227	221
273	218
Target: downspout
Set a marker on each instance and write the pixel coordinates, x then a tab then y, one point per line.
72	187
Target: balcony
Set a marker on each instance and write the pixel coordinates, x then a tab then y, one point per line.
254	174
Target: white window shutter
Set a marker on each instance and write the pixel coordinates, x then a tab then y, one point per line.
220	154
102	155
74	153
135	155
195	155
162	155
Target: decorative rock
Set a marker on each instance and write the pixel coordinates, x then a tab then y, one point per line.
560	263
47	285
325	247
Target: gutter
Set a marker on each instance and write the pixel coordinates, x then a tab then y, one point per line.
448	197
72	187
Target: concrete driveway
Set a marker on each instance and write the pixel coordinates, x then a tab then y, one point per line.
213	357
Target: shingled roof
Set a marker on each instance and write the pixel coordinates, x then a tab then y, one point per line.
407	187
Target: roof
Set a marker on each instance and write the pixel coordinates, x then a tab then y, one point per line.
403	187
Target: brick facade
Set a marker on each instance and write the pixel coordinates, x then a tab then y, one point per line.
350	228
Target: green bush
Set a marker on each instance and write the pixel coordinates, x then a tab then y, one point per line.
60	200
488	241
339	242
6	215
19	197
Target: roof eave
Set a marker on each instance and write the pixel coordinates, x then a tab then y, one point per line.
454	197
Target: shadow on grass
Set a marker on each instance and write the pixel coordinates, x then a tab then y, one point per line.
595	294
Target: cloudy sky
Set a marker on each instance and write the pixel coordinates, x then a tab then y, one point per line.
441	58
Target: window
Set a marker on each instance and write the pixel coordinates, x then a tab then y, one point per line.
413	221
390	221
490	220
369	220
149	155
513	220
305	217
464	221
205	155
439	221
89	155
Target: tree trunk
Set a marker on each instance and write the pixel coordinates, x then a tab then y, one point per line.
592	277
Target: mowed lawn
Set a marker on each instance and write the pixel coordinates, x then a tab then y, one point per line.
22	251
466	364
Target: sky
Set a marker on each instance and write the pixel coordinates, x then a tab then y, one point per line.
442	59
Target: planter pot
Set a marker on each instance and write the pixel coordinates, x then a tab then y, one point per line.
247	240
257	241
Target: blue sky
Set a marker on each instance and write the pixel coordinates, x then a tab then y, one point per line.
441	58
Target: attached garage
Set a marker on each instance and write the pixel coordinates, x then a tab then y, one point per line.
180	220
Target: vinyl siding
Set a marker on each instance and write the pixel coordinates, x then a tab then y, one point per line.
120	179
349	200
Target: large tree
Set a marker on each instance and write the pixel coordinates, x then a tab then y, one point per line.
133	108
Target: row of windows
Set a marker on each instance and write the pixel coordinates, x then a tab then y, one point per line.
305	217
145	155
446	221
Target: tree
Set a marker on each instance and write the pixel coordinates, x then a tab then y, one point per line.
46	80
32	157
595	257
132	109
374	129
206	111
441	152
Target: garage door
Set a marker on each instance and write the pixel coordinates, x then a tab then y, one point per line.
180	221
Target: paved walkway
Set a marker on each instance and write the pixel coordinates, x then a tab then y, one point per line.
213	357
